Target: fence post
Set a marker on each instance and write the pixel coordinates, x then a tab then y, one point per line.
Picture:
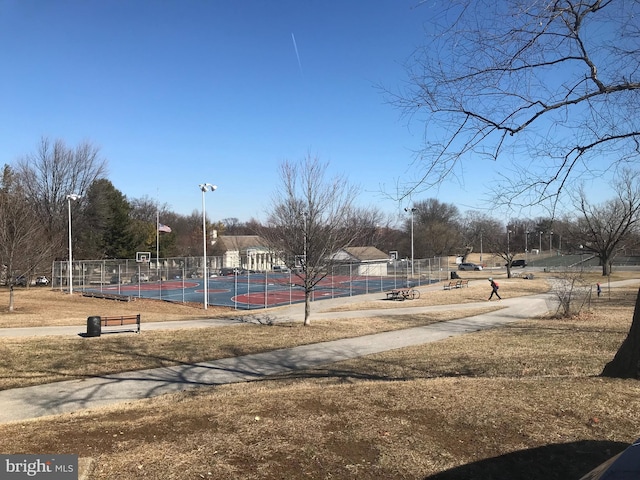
350	279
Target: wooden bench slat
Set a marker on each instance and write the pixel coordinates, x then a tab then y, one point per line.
121	320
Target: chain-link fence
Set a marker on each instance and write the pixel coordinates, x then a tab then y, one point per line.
180	279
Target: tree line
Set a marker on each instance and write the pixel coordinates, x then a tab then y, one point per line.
35	208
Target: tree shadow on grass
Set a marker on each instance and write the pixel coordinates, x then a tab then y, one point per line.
563	461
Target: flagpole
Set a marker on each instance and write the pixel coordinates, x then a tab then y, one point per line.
157	240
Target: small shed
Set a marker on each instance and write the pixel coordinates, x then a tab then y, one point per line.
363	261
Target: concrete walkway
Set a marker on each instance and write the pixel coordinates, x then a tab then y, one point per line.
91	392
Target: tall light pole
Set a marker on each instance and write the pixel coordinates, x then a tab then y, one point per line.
540	249
74	197
412	210
204	187
550	242
560	245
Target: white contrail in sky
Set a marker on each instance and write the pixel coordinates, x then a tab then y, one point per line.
295	47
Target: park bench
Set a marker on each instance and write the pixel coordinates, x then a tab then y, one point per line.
457	284
403	294
121	321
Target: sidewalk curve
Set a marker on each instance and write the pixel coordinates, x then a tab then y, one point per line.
73	395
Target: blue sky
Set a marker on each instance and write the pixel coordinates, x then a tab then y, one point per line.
177	93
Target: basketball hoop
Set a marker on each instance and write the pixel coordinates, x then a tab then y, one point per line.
143	257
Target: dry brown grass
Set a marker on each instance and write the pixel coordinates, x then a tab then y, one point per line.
34	307
523	401
37	360
477	291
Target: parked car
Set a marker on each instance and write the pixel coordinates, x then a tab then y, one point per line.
226	271
280	269
143	277
517	263
21	281
42	280
469	266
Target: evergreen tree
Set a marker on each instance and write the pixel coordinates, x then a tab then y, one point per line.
105	227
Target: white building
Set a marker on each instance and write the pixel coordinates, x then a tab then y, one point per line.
364	261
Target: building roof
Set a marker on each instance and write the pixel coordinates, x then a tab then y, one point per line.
240	243
365	254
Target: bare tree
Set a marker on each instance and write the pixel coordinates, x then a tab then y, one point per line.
549	83
436	228
477	229
605	228
498	242
309	220
20	249
147	209
572	291
52	173
188	234
370	223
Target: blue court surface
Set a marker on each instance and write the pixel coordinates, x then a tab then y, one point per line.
251	291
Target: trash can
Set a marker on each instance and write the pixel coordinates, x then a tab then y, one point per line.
94	328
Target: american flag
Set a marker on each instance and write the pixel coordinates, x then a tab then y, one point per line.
164	228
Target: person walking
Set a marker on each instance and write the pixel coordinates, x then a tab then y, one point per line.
598	288
494	289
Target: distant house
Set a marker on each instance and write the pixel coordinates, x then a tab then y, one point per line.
362	261
245	252
250	252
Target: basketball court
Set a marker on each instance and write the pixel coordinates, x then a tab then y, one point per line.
250	290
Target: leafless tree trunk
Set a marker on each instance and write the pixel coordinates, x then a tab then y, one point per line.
11	299
626	363
311	217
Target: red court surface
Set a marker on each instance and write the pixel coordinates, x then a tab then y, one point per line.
251	291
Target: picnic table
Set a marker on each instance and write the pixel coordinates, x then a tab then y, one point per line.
403	294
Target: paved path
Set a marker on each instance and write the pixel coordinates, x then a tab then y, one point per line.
73	395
